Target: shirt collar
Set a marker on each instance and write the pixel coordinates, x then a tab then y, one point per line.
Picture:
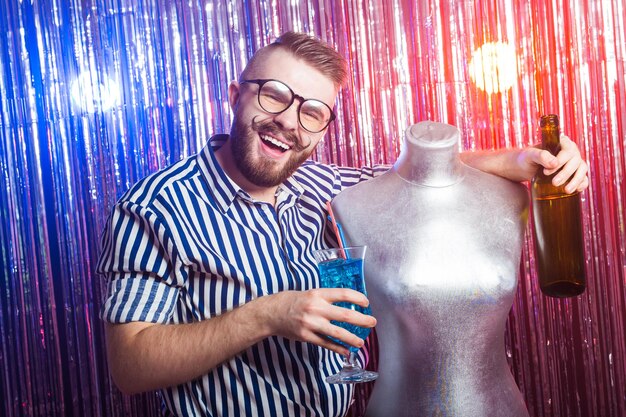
224	189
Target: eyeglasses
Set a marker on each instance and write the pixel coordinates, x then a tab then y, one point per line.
275	97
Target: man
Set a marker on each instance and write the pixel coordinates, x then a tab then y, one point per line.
213	291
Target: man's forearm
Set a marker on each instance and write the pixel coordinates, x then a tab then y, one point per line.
146	356
503	163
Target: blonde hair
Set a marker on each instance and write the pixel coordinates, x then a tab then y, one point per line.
311	50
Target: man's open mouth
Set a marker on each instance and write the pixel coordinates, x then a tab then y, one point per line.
275	143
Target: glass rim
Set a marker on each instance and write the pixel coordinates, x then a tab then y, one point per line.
347	252
339	248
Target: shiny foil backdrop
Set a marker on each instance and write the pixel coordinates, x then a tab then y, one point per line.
97	94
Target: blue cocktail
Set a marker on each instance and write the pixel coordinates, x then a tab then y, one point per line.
343	268
346	273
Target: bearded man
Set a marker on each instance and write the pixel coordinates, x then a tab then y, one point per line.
213	292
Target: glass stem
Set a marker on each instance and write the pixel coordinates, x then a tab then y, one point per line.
350	360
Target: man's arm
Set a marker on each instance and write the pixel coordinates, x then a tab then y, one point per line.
144	356
522	164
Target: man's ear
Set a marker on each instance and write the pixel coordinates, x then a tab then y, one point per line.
233	94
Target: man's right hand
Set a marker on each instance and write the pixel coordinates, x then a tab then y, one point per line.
307	315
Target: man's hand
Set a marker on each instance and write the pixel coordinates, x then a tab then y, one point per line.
568	161
307	315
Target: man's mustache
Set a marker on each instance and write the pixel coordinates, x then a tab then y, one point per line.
273	128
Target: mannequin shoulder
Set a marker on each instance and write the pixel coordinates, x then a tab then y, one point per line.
495	188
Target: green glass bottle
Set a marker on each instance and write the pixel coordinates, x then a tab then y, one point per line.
558	234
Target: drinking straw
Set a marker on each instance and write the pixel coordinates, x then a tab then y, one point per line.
336	226
341	236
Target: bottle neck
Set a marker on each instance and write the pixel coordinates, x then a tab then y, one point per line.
550	133
550	140
430	155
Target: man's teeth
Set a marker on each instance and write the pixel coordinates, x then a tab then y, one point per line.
275	142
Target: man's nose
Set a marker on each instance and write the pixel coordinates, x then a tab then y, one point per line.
288	119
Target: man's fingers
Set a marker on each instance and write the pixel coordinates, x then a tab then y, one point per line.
578	181
569	154
548	161
583	184
323	341
347	315
341	334
334	295
570	168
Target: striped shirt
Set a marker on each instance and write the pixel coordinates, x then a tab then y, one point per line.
186	244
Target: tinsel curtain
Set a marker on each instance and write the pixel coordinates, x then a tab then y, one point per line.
97	94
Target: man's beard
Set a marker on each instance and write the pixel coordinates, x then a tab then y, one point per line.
264	172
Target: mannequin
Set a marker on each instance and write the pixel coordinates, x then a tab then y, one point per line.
444	245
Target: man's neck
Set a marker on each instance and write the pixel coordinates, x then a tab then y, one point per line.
224	157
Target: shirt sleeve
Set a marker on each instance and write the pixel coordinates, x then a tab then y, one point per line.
351	176
138	258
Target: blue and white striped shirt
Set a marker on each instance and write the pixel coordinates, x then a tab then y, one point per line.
187	244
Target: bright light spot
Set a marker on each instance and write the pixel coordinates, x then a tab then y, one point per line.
92	96
493	67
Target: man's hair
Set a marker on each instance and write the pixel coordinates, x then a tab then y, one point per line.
311	50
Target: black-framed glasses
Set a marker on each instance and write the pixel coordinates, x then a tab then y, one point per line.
275	97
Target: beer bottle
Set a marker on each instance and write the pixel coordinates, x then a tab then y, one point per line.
558	234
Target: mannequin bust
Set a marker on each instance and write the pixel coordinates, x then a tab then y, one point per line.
444	246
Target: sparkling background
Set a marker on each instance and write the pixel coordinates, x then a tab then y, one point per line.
97	94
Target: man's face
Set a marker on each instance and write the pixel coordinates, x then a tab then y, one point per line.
267	148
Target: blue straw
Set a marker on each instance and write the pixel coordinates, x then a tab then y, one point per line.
341	236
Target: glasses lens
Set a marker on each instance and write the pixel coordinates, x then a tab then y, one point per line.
275	97
314	115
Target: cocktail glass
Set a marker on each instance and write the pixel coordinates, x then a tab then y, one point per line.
343	268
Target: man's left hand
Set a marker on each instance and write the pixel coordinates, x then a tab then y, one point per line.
573	169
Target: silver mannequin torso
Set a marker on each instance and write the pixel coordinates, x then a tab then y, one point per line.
445	242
